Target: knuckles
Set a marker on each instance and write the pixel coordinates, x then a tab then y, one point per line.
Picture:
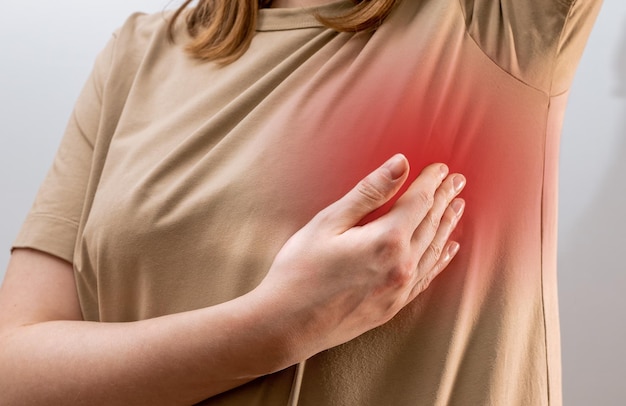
434	250
433	221
399	276
394	258
423	283
425	198
391	244
370	191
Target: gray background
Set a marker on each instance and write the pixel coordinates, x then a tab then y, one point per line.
47	49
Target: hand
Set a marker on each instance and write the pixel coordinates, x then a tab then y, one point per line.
334	279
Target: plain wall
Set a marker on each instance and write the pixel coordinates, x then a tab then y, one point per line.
592	223
46	52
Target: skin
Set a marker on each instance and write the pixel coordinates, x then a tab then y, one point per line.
332	281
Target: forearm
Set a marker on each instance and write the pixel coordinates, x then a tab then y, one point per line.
332	281
175	359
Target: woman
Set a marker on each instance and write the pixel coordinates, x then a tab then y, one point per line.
193	196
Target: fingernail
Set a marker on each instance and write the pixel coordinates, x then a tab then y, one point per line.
458	205
396	166
453	248
444	171
459	182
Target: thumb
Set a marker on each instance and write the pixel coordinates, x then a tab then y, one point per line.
370	193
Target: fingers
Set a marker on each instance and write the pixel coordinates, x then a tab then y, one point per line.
436	249
429	242
369	194
411	209
449	252
440	252
430	225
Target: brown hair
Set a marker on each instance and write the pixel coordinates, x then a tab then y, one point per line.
222	29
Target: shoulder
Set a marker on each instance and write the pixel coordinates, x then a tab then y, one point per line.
117	69
140	43
142	31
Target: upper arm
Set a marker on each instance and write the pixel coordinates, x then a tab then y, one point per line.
537	41
38	287
39	283
53	220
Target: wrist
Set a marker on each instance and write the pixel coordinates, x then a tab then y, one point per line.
280	327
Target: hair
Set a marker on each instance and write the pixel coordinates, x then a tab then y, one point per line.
222	30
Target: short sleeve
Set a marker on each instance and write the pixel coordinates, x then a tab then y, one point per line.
572	41
540	42
52	223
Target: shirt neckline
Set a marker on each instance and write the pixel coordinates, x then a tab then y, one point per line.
293	18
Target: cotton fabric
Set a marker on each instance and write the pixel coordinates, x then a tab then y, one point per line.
177	182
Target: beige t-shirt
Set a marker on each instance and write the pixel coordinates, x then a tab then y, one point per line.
178	181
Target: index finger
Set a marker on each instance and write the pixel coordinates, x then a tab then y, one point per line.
415	203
